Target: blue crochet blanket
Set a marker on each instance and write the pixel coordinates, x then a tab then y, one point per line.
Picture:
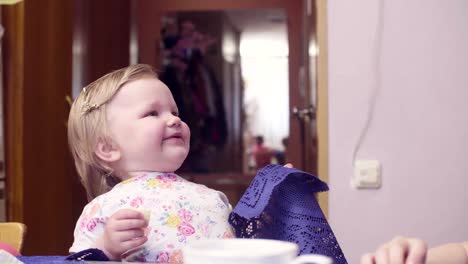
280	204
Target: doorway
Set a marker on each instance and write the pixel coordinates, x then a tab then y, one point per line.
301	127
228	72
151	12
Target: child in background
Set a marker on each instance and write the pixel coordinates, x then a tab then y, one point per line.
127	140
261	153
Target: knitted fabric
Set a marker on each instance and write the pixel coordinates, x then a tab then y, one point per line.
280	204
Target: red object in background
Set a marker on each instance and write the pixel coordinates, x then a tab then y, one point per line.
262	155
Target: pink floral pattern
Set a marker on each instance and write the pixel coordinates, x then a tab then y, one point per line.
180	211
162	257
137	202
91	225
186	229
185	215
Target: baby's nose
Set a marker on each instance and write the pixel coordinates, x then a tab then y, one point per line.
174	121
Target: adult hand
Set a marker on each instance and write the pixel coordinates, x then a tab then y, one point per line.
288	165
400	250
124	230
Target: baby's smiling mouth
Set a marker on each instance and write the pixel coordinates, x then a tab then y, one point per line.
175	136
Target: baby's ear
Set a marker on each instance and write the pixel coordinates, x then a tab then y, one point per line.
107	151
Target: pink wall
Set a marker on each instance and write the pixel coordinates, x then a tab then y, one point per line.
420	126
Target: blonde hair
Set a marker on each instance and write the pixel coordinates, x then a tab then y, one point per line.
87	124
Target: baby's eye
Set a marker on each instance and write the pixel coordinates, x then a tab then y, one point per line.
152	113
175	113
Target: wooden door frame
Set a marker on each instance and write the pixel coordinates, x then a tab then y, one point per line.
13	86
38	73
322	98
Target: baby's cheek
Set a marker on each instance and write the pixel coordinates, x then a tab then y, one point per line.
186	130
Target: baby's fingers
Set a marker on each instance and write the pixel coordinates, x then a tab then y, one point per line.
382	255
127	224
418	251
127	214
133	243
367	259
130	234
126	219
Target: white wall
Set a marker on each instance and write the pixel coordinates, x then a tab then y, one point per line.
420	126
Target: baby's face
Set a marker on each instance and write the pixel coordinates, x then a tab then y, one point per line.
143	121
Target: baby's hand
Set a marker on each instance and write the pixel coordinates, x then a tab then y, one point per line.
288	165
398	250
124	230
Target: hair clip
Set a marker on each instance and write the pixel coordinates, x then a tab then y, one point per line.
87	108
84	90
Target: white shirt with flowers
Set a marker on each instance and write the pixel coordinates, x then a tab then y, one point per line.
180	211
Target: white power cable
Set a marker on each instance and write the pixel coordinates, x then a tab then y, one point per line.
376	84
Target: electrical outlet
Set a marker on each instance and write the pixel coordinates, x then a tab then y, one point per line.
367	174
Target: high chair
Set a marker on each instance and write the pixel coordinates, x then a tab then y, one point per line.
13	234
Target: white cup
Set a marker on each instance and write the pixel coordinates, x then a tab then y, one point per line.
248	251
